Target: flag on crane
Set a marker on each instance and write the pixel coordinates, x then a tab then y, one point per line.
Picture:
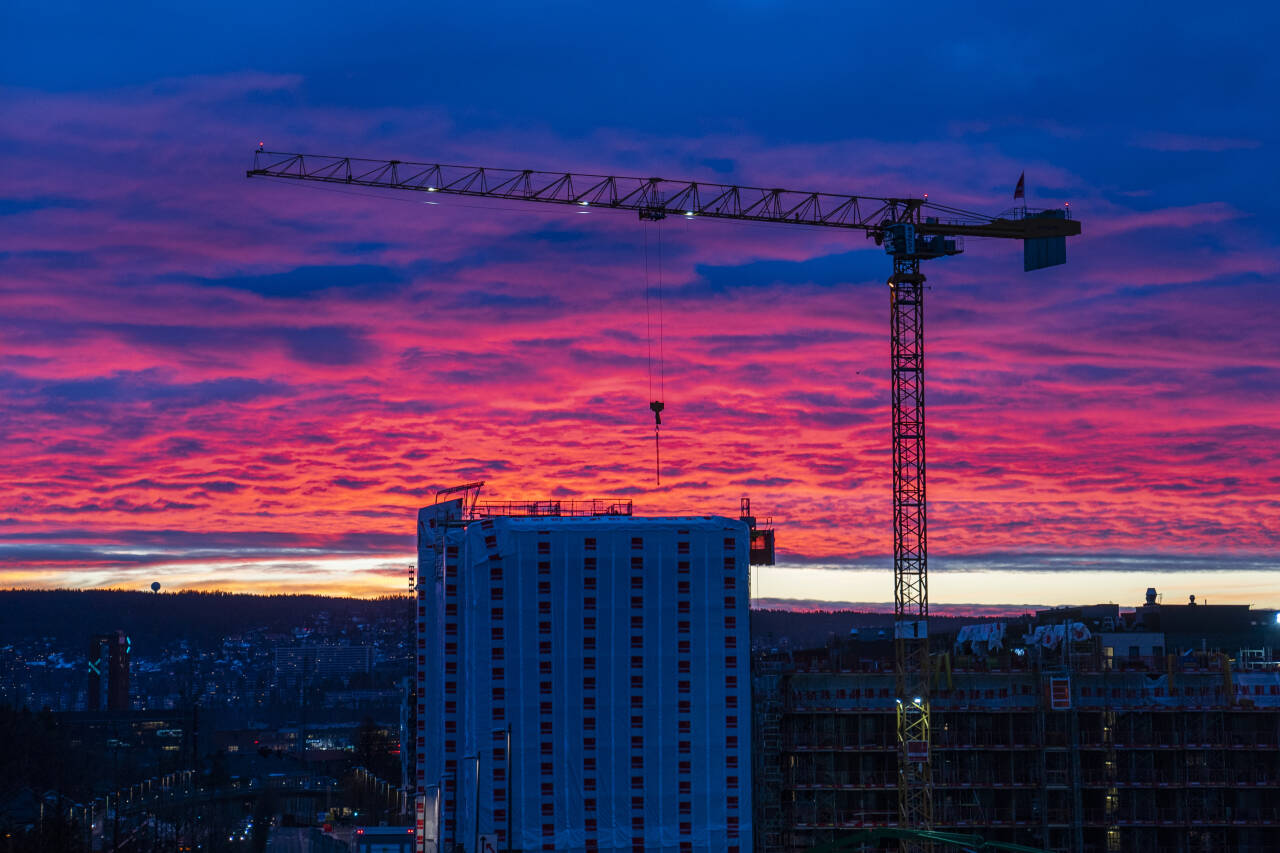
1020	191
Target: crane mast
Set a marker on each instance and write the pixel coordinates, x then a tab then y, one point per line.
909	229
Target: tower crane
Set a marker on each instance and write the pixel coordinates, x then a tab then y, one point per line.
911	230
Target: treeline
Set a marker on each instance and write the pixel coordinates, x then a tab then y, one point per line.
73	616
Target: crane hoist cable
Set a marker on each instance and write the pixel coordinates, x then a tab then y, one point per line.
656	405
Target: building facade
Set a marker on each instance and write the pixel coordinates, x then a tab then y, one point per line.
1183	756
583	680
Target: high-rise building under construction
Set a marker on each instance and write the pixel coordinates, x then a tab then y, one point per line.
582	679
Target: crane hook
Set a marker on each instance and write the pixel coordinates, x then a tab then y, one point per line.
656	406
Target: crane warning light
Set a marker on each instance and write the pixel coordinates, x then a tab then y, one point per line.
584	203
688	213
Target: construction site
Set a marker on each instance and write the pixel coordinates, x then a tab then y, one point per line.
1090	732
1084	730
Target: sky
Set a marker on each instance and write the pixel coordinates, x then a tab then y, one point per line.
215	382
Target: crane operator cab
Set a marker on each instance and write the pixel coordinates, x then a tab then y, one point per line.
903	241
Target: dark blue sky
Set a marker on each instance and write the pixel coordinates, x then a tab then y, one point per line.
165	323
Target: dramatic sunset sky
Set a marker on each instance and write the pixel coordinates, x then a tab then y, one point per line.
225	383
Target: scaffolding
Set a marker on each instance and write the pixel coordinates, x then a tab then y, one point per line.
1171	757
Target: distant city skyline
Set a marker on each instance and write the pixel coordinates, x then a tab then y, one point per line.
218	383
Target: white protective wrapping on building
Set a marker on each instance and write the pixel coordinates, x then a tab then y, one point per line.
617	650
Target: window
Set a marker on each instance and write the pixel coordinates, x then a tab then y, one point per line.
544	707
730	564
544	687
589	644
682	606
685	747
637	722
731	722
588	623
589	702
589	564
637	623
544	647
683	626
544	608
637	581
729	543
544	567
589	664
682	566
637	741
544	627
731	682
544	587
682	547
683	686
731	782
495	613
730	661
686	788
683	647
637	542
637	602
588	724
589	603
731	623
637	682
497	653
637	662
637	641
544	547
498	673
684	667
729	602
589	544
637	565
730	582
589	582
588	764
544	667
685	706
685	727
588	743
682	587
495	573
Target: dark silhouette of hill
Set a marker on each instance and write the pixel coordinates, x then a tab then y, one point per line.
812	628
73	615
